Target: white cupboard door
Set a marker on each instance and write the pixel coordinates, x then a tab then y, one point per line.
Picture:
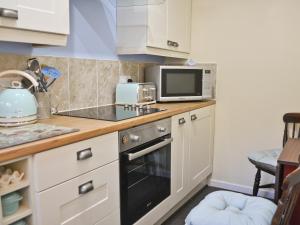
179	24
157	25
201	144
8	4
76	202
50	16
180	148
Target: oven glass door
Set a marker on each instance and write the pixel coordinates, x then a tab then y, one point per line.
181	82
145	178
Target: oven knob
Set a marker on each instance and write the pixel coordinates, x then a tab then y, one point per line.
125	139
134	138
162	129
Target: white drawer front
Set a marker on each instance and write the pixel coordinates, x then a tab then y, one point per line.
60	164
112	219
63	205
201	113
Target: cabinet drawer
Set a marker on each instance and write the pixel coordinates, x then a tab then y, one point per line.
112	219
60	164
200	113
64	205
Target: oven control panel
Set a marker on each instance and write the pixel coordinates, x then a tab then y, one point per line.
135	136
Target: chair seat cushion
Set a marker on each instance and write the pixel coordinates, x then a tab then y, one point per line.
266	158
229	208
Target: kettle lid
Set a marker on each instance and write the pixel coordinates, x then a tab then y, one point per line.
16	85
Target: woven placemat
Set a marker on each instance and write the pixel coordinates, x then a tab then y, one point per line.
20	135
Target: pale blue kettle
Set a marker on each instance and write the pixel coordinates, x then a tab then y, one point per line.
18	106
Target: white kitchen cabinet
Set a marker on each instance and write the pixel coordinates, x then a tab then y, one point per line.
157	26
201	145
161	27
34	21
180	156
78	183
179	24
192	150
23	187
76	202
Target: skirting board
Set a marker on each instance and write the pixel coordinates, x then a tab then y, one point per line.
266	193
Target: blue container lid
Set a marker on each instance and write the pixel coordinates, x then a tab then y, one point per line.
20	222
11	198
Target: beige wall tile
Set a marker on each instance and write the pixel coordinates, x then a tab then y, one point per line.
83	83
129	69
108	78
141	77
59	91
12	61
142	67
9	62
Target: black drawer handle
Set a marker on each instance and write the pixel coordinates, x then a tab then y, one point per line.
84	154
86	188
181	121
170	43
194	117
175	44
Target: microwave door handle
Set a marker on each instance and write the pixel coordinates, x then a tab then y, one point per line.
132	156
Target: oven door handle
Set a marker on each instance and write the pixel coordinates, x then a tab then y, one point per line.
132	156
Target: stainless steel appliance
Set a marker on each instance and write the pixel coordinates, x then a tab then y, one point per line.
145	168
112	112
135	93
180	83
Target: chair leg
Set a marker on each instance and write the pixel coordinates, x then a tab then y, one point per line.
256	182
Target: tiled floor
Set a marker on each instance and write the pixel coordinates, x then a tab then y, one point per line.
179	216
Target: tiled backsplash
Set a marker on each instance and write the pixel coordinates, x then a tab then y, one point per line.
84	82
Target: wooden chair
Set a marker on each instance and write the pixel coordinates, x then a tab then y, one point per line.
266	160
288	200
223	207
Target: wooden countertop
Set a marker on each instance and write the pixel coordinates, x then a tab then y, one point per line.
290	153
91	128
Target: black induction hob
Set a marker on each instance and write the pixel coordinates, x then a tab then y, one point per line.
111	112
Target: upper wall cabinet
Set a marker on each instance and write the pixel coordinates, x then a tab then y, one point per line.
34	21
155	27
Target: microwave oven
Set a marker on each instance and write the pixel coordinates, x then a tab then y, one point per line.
180	83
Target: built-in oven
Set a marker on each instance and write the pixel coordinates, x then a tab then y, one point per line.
145	169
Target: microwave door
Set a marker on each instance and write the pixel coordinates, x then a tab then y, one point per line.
181	84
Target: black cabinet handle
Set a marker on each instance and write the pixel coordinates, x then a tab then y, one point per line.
175	44
193	117
86	188
84	154
181	121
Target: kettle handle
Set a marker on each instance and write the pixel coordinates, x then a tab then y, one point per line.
21	73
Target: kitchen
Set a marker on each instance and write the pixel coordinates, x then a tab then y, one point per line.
256	77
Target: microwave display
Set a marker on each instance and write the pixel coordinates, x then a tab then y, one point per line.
181	82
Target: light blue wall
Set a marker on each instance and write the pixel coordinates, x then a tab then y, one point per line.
93	34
